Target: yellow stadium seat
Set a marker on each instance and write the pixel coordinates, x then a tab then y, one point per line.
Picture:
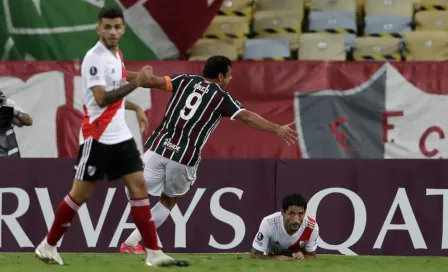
233	28
322	46
376	48
426	45
434	5
237	8
205	48
431	20
265	5
279	24
389	7
334	5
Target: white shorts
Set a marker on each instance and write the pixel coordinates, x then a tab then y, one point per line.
167	176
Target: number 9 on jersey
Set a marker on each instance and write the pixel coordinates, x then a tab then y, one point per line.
192	107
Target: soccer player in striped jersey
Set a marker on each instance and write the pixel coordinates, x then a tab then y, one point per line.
288	234
196	106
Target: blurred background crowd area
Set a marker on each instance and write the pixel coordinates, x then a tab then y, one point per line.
395	30
328	30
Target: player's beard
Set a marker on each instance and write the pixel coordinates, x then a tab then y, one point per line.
108	44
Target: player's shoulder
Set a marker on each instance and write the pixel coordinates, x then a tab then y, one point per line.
272	219
178	76
95	53
310	222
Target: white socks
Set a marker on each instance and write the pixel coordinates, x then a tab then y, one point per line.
159	215
133	239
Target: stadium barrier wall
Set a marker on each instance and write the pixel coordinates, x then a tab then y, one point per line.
364	207
363	109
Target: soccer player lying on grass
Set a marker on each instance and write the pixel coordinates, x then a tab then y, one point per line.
288	234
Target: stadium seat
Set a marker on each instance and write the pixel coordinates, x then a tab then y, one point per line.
322	46
258	49
377	48
205	48
343	22
426	45
431	20
403	8
387	25
279	25
266	5
416	4
243	8
433	5
340	5
233	28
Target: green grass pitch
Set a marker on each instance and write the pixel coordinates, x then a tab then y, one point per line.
21	262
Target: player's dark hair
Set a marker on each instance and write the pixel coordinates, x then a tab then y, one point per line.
216	65
110	13
294	200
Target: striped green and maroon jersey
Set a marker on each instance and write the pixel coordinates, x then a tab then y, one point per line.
193	112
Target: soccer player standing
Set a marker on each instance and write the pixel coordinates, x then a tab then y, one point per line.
197	105
107	147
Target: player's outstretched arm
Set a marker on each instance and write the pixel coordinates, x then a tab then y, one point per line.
130	76
256	121
104	99
162	83
256	254
309	255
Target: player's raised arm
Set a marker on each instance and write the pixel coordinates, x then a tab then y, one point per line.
96	82
166	83
130	76
162	83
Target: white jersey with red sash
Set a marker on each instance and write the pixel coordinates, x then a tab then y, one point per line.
272	233
100	67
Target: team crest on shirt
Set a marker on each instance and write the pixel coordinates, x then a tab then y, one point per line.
91	170
302	243
93	70
260	236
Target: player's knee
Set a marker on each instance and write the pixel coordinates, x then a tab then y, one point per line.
81	191
137	188
168	202
80	196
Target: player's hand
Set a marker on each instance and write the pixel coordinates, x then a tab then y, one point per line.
144	76
298	256
289	135
2	99
142	121
282	258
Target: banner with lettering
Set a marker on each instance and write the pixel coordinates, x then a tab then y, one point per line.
362	207
342	109
387	116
